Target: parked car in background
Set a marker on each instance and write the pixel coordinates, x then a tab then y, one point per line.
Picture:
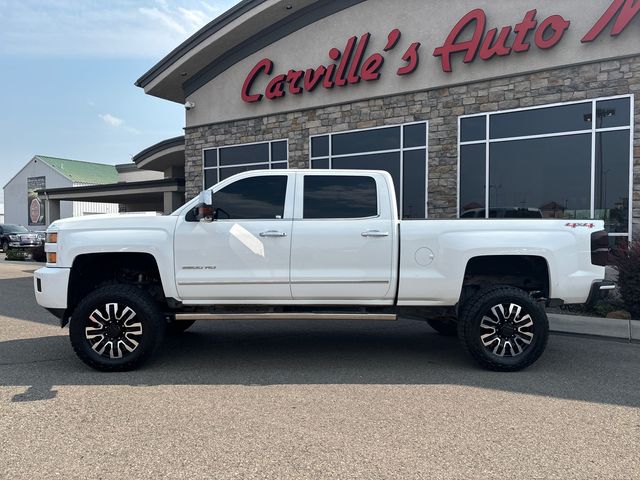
19	237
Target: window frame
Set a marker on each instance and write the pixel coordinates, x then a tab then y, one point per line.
593	131
219	168
401	150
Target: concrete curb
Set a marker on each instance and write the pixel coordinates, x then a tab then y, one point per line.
600	327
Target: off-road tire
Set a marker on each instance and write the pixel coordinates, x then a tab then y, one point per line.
179	326
447	327
478	306
5	246
147	313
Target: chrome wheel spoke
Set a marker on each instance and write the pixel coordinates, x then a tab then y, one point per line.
134	328
100	346
129	343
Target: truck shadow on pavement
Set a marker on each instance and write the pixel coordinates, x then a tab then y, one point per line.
298	353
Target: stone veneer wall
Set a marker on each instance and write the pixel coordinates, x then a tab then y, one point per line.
441	107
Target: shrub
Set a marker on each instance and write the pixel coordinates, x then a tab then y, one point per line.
627	261
14	254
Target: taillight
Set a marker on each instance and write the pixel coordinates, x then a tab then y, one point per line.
600	248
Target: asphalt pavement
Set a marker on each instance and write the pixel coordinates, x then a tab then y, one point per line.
309	400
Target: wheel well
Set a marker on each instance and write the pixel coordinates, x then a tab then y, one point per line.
530	273
92	270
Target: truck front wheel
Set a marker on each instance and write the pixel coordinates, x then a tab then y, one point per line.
116	328
503	329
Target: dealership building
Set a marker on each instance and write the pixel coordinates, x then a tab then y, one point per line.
478	109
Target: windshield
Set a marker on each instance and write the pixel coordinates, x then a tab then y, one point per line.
15	229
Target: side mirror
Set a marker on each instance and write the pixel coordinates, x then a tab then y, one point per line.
203	211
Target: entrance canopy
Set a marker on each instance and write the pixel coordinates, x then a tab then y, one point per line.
162	195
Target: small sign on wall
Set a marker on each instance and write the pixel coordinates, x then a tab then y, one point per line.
35	211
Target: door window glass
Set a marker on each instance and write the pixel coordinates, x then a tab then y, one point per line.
252	198
328	196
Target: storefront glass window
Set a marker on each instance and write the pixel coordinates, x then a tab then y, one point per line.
472	181
224	162
540	121
549	162
400	150
612	180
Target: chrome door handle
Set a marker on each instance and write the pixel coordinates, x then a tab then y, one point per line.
375	233
273	233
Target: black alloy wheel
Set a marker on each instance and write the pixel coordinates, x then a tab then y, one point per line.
116	328
503	328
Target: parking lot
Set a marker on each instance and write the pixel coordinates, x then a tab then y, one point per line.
309	400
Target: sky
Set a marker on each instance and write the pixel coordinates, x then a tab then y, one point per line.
67	73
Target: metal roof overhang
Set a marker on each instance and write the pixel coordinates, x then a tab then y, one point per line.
162	156
122	193
241	31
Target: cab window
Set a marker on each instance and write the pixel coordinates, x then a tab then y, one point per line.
339	196
252	198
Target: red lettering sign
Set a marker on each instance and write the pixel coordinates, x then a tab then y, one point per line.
547	35
350	66
626	11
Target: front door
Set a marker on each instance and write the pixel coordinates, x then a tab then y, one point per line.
243	255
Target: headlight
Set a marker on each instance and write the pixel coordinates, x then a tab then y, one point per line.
14	238
52	237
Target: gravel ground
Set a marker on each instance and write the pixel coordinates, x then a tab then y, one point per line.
287	400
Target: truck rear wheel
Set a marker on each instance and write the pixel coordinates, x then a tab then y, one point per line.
116	328
503	329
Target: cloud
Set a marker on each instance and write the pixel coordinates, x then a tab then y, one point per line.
95	28
165	19
195	18
111	120
116	122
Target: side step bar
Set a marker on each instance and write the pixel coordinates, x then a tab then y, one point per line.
285	316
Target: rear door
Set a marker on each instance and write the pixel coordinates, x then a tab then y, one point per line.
343	238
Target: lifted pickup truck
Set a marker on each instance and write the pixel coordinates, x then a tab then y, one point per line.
313	244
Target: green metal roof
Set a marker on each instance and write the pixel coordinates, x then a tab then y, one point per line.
82	172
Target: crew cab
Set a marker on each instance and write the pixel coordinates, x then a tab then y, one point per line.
313	244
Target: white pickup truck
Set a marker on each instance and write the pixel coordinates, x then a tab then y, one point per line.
313	244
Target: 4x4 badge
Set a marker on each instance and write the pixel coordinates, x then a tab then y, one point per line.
577	225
